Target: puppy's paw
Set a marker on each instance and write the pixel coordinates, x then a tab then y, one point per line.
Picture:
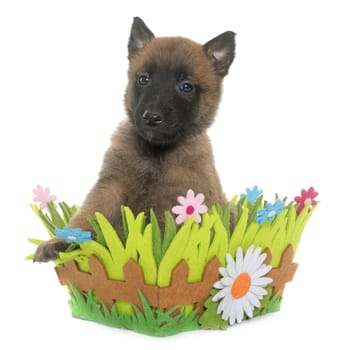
49	250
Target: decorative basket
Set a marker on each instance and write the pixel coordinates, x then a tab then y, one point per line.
196	275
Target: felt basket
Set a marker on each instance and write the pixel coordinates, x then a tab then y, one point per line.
196	273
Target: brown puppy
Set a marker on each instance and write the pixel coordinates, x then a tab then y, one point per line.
162	149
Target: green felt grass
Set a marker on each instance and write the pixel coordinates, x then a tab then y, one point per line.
158	253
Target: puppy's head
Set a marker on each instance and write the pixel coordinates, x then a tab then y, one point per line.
174	83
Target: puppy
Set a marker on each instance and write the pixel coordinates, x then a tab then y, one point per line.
162	149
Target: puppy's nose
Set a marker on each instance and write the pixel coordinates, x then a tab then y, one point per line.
152	118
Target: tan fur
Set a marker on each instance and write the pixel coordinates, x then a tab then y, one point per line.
139	176
130	176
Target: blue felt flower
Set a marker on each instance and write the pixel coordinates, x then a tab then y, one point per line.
252	194
270	211
73	235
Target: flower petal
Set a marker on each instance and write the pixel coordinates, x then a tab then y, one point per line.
181	219
230	312
255	263
239	312
257	291
178	209
298	199
253	299
229	259
239	259
190	195
199	199
262	281
218	285
227	281
202	209
247	257
261	271
182	200
220	294
232	271
220	307
223	272
198	218
225	307
247	307
262	216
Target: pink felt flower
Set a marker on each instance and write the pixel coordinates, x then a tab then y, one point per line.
43	196
190	205
307	198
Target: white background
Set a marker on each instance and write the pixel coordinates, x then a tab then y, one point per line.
282	125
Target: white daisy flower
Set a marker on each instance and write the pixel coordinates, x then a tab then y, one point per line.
242	285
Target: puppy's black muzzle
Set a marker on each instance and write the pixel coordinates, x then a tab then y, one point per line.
152	118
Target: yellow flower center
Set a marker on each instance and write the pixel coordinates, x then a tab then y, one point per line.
241	285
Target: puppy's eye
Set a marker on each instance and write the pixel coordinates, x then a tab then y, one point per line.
143	79
186	87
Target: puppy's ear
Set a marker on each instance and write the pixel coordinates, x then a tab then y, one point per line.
221	52
140	35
